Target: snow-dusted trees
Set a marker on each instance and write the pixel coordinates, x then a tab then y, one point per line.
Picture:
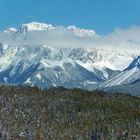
59	113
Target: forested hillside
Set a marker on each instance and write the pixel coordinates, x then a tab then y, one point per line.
67	114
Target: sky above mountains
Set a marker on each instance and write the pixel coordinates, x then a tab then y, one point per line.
101	15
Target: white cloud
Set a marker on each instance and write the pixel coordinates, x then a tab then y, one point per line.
72	37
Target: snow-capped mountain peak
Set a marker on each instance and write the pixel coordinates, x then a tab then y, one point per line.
35	26
82	32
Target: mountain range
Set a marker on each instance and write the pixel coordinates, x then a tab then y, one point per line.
44	55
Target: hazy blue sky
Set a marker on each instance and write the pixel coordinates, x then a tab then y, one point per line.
100	15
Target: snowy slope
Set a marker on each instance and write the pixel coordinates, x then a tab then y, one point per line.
128	76
133	88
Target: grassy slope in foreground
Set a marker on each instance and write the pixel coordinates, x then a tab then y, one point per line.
58	113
